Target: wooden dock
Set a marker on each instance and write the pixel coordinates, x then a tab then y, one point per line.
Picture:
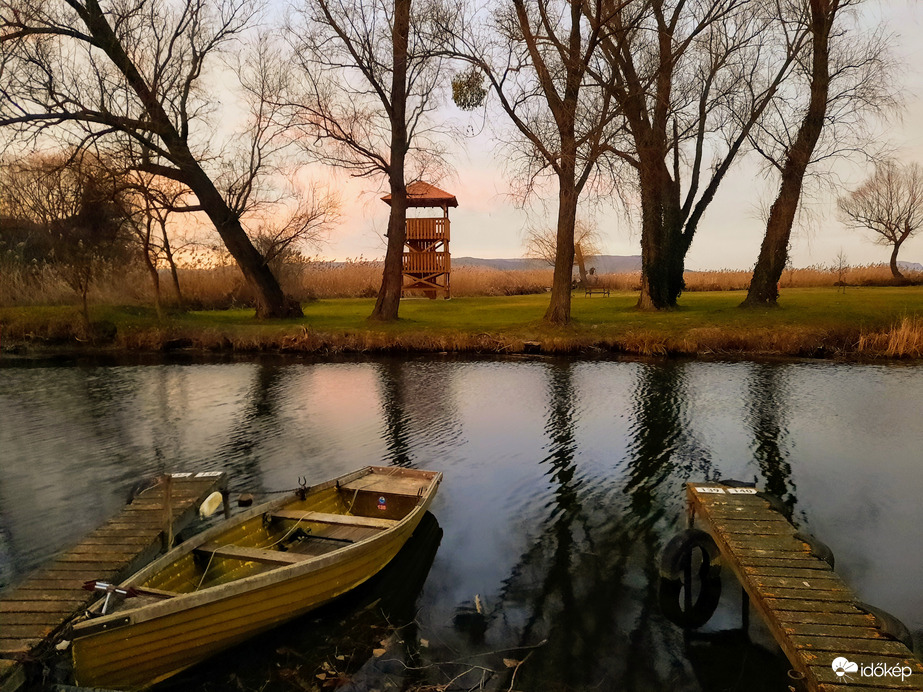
810	611
33	612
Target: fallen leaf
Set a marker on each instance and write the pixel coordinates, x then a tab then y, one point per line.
321	676
424	642
341	657
378	652
511	662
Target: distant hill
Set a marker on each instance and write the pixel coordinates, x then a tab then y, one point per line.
910	266
605	264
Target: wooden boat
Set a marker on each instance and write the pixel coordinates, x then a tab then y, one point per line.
250	573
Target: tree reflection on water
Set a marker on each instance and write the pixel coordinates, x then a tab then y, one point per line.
587	584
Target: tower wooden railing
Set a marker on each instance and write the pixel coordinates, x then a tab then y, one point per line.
428	229
427	262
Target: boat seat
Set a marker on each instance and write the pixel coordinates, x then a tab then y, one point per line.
340	519
388	485
238	552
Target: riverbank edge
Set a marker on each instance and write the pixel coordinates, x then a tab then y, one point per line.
845	343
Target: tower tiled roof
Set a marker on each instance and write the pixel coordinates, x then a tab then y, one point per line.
420	194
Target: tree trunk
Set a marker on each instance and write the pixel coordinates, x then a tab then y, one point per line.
764	285
581	264
895	272
84	291
270	301
155	279
392	279
168	251
558	311
663	246
764	291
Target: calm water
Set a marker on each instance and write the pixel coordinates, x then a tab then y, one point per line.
563	479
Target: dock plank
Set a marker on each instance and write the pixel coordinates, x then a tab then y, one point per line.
847	646
809	595
16	648
797	604
848	631
791	570
826	581
810	611
743	527
46	606
854	618
32	611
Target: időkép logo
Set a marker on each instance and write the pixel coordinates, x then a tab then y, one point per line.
843	667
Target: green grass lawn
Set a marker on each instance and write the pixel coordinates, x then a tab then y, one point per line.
703	322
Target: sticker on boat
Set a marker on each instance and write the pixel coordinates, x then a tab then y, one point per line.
710	489
382	503
741	491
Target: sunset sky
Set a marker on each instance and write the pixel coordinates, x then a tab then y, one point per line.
488	224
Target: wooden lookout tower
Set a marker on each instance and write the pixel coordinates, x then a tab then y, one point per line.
427	264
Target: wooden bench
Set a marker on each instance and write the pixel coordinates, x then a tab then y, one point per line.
339	519
602	290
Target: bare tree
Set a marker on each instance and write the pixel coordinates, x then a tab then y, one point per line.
77	206
369	82
541	60
841	268
890	204
157	201
130	75
541	243
311	211
691	81
841	77
152	202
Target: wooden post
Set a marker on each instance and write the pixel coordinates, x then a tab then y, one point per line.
167	512
226	503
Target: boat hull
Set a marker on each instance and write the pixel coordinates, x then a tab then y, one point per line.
139	654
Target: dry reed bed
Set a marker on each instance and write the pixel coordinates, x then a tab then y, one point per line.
223	287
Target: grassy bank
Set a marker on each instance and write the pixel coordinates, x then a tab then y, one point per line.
866	322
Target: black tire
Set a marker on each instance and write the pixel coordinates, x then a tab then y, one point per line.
734	483
674	555
819	549
889	625
671	591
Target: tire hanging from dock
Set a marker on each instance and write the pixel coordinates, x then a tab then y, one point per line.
888	624
819	549
683	610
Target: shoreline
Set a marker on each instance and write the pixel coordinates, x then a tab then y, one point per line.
883	324
848	345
